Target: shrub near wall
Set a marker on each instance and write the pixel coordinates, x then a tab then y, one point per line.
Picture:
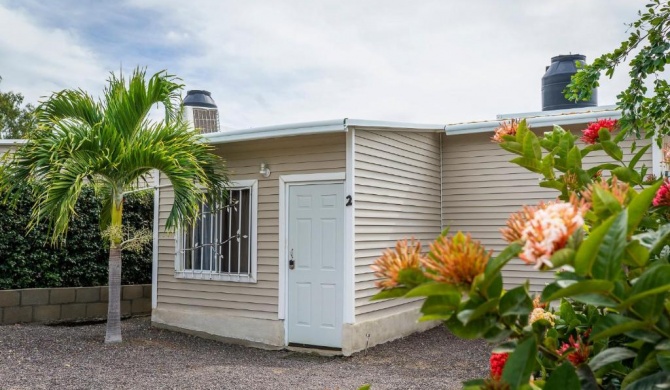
28	260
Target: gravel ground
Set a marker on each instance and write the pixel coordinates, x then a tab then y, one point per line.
58	357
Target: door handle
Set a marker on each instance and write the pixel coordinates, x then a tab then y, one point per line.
291	262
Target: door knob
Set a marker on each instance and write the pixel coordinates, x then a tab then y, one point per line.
291	262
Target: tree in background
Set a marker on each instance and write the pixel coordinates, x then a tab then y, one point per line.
15	122
112	144
648	48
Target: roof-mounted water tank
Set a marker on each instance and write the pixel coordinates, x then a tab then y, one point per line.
200	109
557	77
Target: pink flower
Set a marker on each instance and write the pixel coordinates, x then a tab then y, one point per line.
590	134
580	351
662	197
497	362
505	128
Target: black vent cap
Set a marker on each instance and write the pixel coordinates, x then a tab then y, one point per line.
199	98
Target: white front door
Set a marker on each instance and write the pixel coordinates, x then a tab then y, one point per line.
316	256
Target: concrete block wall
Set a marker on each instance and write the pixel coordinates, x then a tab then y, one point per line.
69	303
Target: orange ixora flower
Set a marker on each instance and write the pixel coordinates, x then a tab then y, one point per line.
544	229
388	266
549	230
505	128
517	222
618	189
456	260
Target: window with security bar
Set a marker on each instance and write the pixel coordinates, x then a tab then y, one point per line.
207	121
220	244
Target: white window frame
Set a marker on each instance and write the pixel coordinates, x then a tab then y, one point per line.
253	252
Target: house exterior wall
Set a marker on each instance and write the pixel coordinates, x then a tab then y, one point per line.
481	188
397	196
247	311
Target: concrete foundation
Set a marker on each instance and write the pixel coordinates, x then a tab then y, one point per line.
381	330
269	334
211	323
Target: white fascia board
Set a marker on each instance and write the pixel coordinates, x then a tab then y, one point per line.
394	125
13	141
307	128
569	118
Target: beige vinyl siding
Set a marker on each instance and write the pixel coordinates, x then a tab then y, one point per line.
397	196
291	155
482	188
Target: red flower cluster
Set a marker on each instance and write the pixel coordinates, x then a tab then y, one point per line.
580	353
497	362
662	197
590	135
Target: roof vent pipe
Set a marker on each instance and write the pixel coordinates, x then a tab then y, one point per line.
201	111
557	77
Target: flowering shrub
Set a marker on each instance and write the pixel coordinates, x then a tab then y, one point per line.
591	134
604	321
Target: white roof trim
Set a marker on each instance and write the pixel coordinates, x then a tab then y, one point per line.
537	119
309	128
13	141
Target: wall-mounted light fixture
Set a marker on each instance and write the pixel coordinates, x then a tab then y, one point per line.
265	170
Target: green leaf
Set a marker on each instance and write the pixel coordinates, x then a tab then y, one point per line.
614	324
495	286
473	330
574	158
390	294
495	264
411	277
466	316
583	287
649	292
612	150
531	146
604	134
520	363
636	255
651	382
561	257
595	299
607	264
563	378
587	380
512	147
516	302
654	240
645	376
604	203
610	355
638	206
365	387
590	249
555	184
627	175
663	359
432	288
528	163
440	304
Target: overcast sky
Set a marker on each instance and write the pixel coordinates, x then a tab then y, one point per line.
272	62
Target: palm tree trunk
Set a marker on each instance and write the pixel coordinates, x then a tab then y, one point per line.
116	237
114	306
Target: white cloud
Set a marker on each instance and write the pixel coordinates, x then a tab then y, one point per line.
276	62
36	60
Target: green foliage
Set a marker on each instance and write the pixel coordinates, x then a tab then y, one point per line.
15	121
27	260
647	51
614	313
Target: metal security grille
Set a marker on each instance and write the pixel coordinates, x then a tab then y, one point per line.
207	121
219	240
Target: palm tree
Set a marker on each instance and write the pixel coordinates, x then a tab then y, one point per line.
112	144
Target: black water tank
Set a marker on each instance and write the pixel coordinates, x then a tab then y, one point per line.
199	98
557	77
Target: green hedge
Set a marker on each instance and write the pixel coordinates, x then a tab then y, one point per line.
28	260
